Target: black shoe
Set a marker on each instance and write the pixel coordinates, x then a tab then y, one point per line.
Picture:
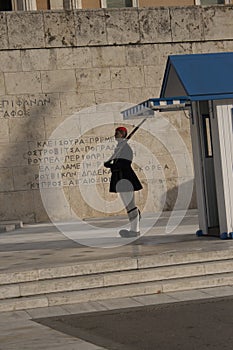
129	234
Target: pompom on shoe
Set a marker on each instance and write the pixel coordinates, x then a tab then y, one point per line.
129	233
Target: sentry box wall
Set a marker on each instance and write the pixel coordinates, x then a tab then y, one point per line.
203	83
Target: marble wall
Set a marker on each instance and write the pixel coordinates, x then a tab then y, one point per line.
64	78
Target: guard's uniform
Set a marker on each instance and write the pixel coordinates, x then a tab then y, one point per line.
124	181
123	177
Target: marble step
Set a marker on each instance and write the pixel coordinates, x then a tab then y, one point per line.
108	279
114	265
129	290
7	226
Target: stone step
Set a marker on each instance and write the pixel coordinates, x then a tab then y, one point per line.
108	279
114	265
7	226
135	289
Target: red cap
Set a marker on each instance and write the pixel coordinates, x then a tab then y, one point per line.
122	128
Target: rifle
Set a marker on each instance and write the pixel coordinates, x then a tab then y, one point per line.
111	161
135	129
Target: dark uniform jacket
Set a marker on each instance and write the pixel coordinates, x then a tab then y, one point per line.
123	177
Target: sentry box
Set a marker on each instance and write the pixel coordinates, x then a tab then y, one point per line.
203	83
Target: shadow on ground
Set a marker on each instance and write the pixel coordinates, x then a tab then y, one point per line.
205	324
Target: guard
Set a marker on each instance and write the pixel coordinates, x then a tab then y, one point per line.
124	180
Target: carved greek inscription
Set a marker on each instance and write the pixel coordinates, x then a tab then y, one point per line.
79	161
71	162
18	107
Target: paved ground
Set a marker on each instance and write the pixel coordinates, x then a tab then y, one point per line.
203	324
38	246
43	245
168	319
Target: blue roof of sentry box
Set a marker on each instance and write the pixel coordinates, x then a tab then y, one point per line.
199	76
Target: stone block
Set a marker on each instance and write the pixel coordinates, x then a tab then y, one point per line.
40	212
90	79
177	120
17	277
72	102
113	264
17	206
77	57
153	76
112	96
13	154
219	267
154	299
6	180
21	129
65	58
192	283
7	227
25	30
217	292
227	46
218	22
60	285
23	83
3	31
24	177
39	59
54	201
4	130
144	55
155	25
10	291
158	274
58	272
59	28
44	105
2	84
186	23
79	203
109	56
187	295
10	61
104	293
119	303
90	27
84	307
58	81
211	46
52	125
154	261
23	303
113	279
122	26
181	48
185	135
47	312
137	95
127	77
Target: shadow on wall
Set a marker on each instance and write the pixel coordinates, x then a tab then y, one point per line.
27	120
21	154
20	186
180	197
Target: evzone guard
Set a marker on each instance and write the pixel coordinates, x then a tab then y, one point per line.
124	180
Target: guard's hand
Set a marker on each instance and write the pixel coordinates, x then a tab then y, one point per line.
109	163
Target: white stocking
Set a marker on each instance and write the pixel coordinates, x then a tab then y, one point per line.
128	199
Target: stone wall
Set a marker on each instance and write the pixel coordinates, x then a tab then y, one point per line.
76	70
